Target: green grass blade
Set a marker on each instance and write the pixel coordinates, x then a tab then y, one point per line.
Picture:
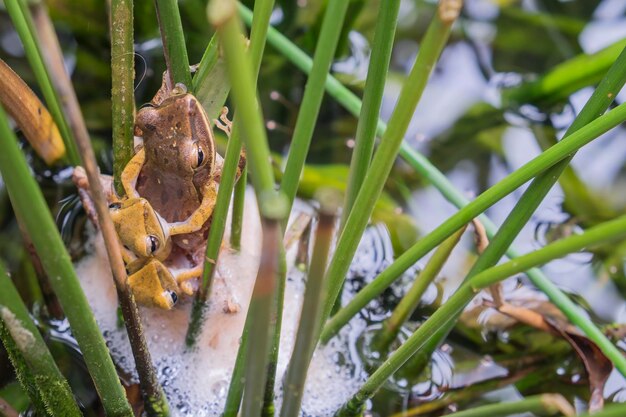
313	94
430	49
173	37
52	386
372	99
27	199
504	187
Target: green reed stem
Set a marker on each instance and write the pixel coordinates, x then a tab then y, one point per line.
548	404
372	98
293	386
27	199
273	205
601	99
24	375
229	171
453	307
391	326
424	167
123	89
275	325
53	389
313	94
237	379
611	410
236	224
504	187
430	49
22	20
173	37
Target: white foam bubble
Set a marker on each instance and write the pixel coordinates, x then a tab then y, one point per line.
196	382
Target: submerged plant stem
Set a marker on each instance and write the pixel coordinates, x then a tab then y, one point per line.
538	404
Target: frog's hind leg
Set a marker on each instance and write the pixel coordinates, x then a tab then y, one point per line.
131	173
200	216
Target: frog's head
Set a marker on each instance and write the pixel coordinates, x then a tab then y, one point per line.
140	228
177	135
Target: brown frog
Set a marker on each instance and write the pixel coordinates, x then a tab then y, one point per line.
177	171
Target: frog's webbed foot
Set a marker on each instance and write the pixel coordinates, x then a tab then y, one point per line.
79	177
184	277
131	173
222	123
153	285
226	126
200	216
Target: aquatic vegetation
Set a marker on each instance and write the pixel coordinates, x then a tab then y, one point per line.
198	283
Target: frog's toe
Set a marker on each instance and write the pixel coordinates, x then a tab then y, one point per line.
186	287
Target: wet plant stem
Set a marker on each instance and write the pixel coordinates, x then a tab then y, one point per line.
534	167
26	198
332	24
425	168
174	47
391	326
372	98
430	49
293	386
548	404
53	389
263	9
122	91
23	22
453	307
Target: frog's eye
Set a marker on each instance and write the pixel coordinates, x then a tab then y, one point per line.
115	206
201	156
174	297
153	244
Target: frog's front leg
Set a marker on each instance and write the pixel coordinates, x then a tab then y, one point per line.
131	172
200	216
184	277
